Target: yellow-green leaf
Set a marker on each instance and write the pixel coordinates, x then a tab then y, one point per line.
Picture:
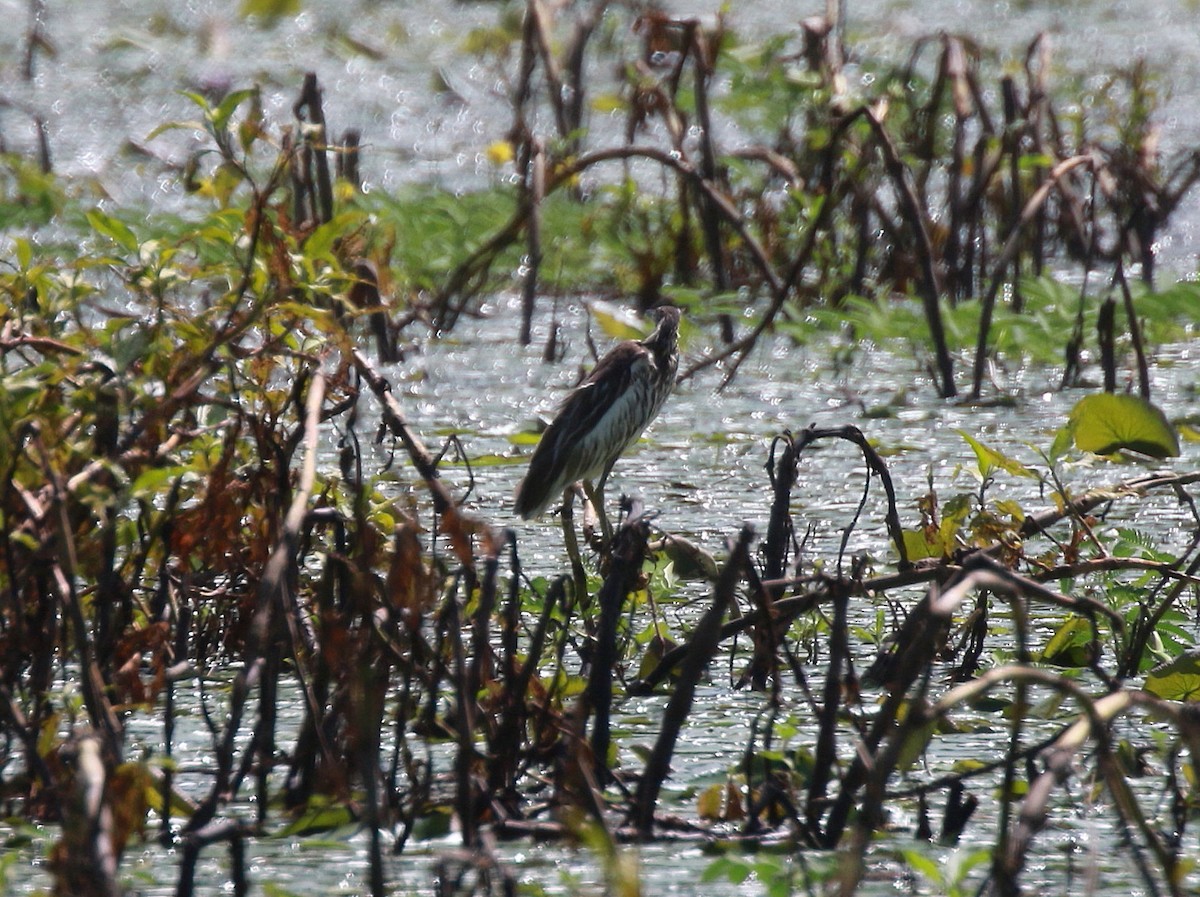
23	250
1108	423
915	742
922	543
991	460
1062	442
221	115
709	802
269	9
1178	680
1071	645
1189	432
616	321
607	103
117	231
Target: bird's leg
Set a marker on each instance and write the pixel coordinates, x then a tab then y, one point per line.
578	574
591	521
595	495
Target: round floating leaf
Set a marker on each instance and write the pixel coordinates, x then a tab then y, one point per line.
319	816
1107	423
691	561
1178	680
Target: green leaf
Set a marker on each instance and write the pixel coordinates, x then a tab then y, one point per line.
608	103
915	742
616	321
925	542
1178	680
191	125
1062	442
1108	423
23	250
320	816
198	98
732	868
525	437
1071	645
690	560
269	9
991	459
963	860
273	890
221	115
117	231
491	41
927	866
155	480
1012	508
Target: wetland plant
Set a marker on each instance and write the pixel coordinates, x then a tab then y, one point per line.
175	537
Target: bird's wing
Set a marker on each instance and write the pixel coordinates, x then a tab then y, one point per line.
603	415
612	410
594	425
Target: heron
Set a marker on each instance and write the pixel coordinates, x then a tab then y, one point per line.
601	418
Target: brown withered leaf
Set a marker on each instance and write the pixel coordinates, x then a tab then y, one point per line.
129	789
410	585
131	652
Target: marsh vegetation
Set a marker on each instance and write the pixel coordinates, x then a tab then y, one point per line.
260	582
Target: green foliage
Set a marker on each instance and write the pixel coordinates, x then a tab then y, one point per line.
28	196
768	95
991	460
949	874
1176	680
10	858
1034	334
779	875
433	229
160	361
1108	423
321	815
269	9
163	362
1071	644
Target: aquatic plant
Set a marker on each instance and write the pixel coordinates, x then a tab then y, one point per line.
180	531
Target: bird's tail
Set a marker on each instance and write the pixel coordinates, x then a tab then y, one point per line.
532	498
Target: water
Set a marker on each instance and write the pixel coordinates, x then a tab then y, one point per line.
703	489
114	78
396	72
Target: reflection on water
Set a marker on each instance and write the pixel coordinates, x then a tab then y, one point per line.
484	388
396	72
701	466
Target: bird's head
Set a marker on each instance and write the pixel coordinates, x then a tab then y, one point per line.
667	331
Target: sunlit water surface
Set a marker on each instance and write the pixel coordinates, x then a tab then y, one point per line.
396	72
701	467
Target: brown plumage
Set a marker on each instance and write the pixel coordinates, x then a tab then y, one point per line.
603	416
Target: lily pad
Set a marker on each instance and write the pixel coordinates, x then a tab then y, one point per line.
1177	680
1108	423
